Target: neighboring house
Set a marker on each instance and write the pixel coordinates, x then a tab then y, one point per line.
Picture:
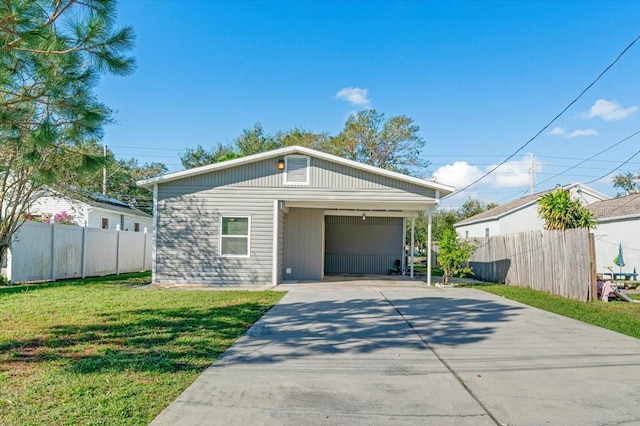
100	212
283	215
618	223
519	215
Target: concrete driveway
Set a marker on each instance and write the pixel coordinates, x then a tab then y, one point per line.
398	352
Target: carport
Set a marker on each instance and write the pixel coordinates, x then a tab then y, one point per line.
338	239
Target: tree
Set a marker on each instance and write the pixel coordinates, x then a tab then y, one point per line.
628	182
254	141
392	144
559	211
199	156
454	256
472	207
52	55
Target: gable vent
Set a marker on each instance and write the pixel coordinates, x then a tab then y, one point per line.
297	170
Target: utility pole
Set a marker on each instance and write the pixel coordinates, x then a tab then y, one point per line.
532	175
104	170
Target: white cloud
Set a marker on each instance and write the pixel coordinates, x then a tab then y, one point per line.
560	131
458	174
609	110
583	132
512	173
354	95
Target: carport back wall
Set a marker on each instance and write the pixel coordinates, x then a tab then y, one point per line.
357	246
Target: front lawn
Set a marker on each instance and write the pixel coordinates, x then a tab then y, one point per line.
100	352
622	317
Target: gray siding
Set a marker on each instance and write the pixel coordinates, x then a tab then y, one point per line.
303	244
187	248
356	246
323	176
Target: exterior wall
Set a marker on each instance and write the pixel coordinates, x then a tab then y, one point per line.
479	230
609	234
303	244
55	205
522	220
126	222
356	246
188	212
96	215
280	265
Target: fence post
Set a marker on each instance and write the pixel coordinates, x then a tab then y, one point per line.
144	250
593	284
118	250
53	251
83	256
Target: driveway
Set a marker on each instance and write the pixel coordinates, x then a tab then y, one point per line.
398	352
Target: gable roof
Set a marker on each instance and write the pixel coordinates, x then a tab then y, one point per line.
520	203
628	205
148	183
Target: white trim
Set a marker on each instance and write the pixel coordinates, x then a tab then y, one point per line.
154	236
370	213
446	189
413	238
274	255
286	170
234	215
429	244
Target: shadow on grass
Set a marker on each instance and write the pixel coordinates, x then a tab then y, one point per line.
157	340
134	279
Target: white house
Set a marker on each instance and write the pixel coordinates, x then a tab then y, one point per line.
519	215
618	225
101	212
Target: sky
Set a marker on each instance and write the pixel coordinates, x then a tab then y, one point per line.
480	79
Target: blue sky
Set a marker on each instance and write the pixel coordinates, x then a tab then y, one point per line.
479	78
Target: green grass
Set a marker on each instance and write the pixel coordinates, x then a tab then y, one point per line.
99	352
435	272
619	316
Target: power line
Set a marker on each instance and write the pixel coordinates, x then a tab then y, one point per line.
622	164
595	155
556	117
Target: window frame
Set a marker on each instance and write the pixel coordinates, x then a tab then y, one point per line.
248	236
286	170
103	221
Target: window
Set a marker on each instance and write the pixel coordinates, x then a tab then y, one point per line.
296	170
234	236
136	227
486	232
466	234
105	223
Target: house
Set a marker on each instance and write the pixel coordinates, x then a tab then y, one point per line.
519	215
100	212
284	215
618	225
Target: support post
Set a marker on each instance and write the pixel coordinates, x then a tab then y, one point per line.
429	221
413	238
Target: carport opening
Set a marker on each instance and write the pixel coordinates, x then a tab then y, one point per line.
362	245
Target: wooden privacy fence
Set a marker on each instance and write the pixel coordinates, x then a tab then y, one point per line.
48	252
557	262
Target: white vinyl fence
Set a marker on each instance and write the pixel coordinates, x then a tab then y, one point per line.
42	252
